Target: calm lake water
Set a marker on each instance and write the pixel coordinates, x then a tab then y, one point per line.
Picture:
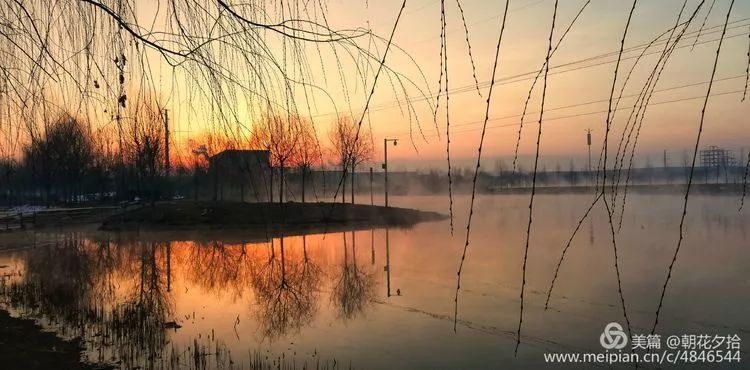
323	300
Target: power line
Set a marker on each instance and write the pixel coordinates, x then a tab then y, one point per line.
528	75
525	76
483	20
470	123
589	113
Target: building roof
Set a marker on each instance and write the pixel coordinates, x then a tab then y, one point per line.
240	155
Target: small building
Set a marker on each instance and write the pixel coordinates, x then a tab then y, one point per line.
237	172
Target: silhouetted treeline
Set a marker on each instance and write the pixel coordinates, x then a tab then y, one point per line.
70	164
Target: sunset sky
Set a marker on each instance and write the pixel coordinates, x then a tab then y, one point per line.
578	85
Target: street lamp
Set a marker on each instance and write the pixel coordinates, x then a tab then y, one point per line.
385	164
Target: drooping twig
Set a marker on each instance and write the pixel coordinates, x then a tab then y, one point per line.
604	162
468	45
479	158
444	64
747	69
567	246
692	170
645	98
367	102
744	182
703	24
616	174
664	59
533	178
536	78
617	266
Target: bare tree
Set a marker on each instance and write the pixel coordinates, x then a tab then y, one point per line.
61	156
96	57
308	152
281	136
144	146
348	149
8	168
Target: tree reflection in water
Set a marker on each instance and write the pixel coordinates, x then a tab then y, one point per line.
353	289
143	314
217	267
118	294
74	283
286	290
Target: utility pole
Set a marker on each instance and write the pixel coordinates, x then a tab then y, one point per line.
353	172
166	149
385	164
588	141
372	199
166	141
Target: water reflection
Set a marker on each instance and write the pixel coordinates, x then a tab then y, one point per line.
217	267
286	290
353	287
134	301
388	262
114	297
229	300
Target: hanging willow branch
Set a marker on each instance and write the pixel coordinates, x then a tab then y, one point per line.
692	170
444	72
711	7
479	159
533	178
468	45
536	78
367	105
744	182
747	69
604	163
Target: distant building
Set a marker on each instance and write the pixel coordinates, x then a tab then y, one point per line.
235	172
715	157
717	161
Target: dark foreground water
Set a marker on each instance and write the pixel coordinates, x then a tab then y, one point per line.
385	298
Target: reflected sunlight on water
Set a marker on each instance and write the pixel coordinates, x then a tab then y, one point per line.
384	298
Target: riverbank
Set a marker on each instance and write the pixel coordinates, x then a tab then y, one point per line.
707	189
23	345
262	216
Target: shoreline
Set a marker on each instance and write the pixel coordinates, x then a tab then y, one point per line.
263	217
24	345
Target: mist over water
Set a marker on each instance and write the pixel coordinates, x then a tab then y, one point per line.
316	299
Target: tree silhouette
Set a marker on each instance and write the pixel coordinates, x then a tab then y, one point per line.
61	156
348	149
308	152
282	137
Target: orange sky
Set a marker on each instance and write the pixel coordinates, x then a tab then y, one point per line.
669	126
